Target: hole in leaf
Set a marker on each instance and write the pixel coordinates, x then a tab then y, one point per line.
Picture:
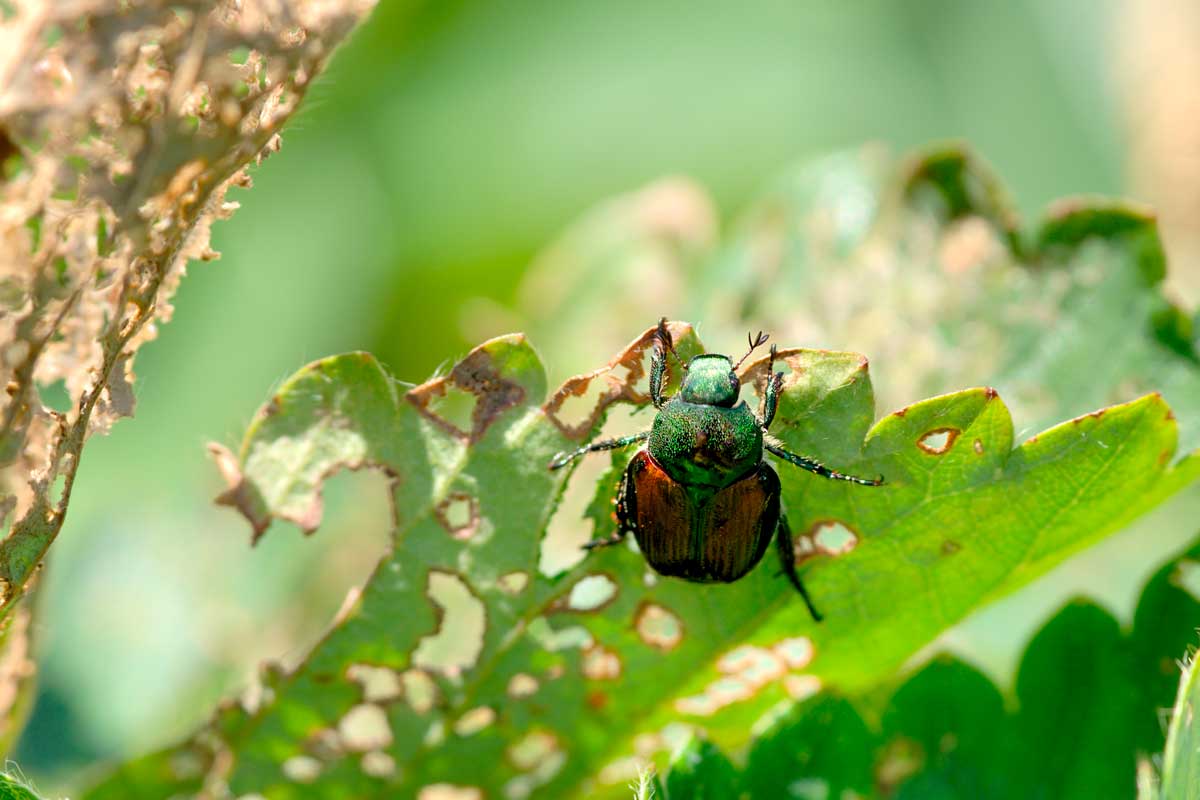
456	644
752	665
474	721
513	582
55	396
532	749
448	791
453	406
938	441
378	764
658	627
801	687
522	685
379	684
301	769
419	690
601	664
833	537
591	593
978	446
797	653
365	727
581	397
558	639
717	695
459	515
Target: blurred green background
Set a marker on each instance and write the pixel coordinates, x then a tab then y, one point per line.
446	145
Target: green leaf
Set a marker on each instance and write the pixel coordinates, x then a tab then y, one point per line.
12	788
1181	760
820	748
461	663
1085	716
948	723
699	771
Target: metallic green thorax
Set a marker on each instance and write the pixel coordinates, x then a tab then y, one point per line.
710	381
706	446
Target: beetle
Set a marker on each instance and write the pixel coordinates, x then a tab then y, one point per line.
699	496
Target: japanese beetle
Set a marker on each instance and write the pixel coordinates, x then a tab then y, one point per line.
699	497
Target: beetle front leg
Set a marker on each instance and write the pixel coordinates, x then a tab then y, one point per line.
770	396
562	459
658	361
787	558
803	462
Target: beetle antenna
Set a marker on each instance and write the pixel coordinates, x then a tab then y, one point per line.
667	342
755	343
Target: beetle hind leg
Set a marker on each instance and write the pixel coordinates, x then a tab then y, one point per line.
787	558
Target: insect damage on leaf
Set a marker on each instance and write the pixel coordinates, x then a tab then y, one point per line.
130	125
549	665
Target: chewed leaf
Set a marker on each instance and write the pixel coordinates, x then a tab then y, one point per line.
463	668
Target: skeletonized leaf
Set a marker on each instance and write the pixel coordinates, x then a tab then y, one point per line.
462	664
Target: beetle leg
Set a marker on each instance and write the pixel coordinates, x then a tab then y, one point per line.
770	395
562	459
787	557
811	465
624	514
658	361
658	366
616	538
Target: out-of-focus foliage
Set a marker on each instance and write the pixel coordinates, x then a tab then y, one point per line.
121	130
1088	707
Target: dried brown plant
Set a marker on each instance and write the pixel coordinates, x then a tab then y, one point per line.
122	126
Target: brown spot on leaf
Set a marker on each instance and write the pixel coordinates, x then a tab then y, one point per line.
1092	415
990	393
1164	457
601	664
597	700
615	382
938	440
476	375
658	627
458	513
950	547
240	494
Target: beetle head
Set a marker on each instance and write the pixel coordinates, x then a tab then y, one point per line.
710	381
